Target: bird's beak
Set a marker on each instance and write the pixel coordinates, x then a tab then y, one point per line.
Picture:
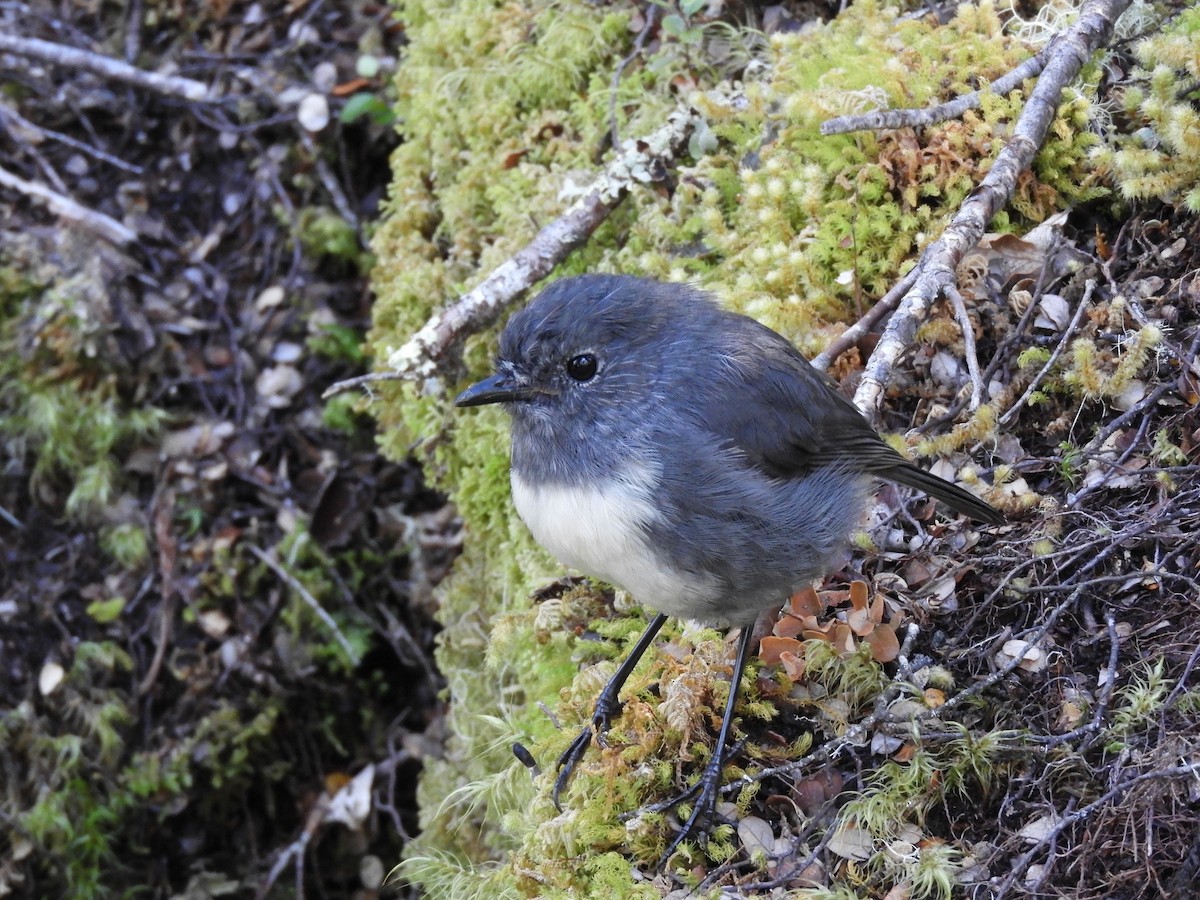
499	388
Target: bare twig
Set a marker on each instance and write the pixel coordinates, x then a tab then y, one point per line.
1010	340
163	509
75	58
1065	56
863	326
1106	691
1084	301
639	163
72	210
885	119
1021	864
651	13
968	333
15	122
296	851
294	583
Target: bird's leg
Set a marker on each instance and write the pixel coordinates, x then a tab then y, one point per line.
606	709
708	788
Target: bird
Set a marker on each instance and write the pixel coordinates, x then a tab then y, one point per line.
689	455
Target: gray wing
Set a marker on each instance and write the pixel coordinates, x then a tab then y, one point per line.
789	419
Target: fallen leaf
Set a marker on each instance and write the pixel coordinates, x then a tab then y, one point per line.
884	644
852	842
352	804
756	835
773	647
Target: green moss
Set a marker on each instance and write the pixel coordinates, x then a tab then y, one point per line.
327	236
1161	159
77	811
65	416
127	544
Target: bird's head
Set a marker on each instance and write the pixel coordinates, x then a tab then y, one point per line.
587	353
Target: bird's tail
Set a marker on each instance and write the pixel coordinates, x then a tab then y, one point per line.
951	494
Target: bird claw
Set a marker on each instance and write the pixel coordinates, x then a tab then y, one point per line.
568	761
706	791
606	710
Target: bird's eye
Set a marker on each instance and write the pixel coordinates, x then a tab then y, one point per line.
582	367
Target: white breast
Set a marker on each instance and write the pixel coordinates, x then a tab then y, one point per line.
600	530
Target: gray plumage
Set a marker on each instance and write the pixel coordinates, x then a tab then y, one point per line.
704	465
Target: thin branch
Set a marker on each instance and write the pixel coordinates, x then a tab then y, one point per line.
114	69
16	123
890	119
968	333
863	326
294	583
1065	56
1021	864
641	162
651	20
72	210
1084	301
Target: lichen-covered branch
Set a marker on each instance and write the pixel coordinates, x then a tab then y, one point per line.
1065	56
641	162
884	119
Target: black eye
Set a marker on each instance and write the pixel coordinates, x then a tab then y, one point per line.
582	367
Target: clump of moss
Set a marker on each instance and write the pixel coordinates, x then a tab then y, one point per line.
64	414
1159	157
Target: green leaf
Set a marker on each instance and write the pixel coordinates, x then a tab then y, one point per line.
674	24
364	103
105	611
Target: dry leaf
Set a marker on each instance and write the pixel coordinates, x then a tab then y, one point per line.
756	835
884	644
852	842
1032	658
806	603
773	647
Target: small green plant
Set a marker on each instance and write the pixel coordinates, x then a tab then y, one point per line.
370	105
377	104
1140	699
680	24
1070	458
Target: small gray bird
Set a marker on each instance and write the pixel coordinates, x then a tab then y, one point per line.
687	454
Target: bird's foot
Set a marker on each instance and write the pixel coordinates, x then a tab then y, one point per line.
706	791
607	708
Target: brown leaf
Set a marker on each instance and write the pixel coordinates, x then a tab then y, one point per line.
793	665
353	86
806	603
511	160
772	648
884	644
860	622
789	626
859	594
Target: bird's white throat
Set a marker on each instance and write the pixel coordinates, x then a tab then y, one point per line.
601	529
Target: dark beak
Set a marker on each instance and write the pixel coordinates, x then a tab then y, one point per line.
499	388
